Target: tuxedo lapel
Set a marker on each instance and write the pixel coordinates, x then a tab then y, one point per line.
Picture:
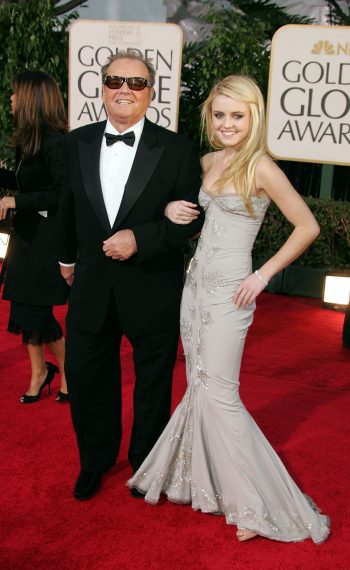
146	160
89	154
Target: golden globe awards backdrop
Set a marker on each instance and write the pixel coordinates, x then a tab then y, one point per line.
91	42
308	107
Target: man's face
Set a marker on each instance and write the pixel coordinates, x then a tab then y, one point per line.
124	106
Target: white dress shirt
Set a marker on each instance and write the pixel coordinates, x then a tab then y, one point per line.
115	165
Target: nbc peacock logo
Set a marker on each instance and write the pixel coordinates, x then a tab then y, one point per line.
323	47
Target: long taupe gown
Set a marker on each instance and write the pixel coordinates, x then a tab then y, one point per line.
212	454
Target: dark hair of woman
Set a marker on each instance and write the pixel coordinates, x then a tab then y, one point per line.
39	103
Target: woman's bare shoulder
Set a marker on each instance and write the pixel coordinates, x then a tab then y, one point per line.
265	163
266	169
207	161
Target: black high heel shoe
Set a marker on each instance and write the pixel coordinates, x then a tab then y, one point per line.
62	397
51	371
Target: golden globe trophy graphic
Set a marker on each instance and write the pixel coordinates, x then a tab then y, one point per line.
91	42
308	107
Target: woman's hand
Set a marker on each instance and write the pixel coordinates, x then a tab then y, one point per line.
181	212
248	291
6	203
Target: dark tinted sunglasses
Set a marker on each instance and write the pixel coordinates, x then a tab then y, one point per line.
134	83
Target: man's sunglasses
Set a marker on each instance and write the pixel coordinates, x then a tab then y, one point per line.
134	83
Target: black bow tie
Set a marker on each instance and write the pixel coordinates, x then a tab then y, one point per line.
128	138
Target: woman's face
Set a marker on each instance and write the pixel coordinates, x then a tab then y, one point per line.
13	103
231	121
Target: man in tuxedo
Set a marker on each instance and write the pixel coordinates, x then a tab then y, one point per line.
127	275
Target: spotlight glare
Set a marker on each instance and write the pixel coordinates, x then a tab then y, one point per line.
336	290
4	240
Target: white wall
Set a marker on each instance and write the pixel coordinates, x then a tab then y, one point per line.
129	10
316	9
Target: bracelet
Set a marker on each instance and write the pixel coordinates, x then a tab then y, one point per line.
260	277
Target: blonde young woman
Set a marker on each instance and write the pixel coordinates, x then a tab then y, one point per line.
33	282
212	454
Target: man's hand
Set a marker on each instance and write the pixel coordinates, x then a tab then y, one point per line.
121	245
6	203
67	274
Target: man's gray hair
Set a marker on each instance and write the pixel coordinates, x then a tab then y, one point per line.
132	54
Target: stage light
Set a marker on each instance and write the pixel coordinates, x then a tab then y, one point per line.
336	292
4	240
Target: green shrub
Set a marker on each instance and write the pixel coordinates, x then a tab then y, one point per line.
238	42
31	38
332	247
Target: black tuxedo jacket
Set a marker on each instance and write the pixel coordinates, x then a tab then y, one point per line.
147	287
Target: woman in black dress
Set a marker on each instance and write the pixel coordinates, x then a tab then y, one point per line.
32	281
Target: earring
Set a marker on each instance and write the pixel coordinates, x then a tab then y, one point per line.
212	138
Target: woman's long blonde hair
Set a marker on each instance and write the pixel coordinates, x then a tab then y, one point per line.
241	172
39	104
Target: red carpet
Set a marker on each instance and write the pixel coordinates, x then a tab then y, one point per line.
294	381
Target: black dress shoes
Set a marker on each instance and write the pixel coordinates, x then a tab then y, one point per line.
136	493
87	484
